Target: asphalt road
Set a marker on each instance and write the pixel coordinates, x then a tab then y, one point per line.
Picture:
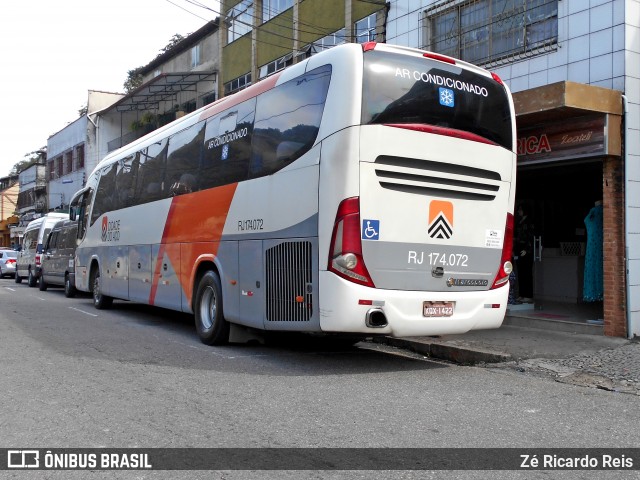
135	376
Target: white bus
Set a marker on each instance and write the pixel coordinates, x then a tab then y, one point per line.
366	190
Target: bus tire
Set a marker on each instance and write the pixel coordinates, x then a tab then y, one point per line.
31	279
43	285
100	301
17	278
69	288
211	326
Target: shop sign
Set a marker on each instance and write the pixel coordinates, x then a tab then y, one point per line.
571	138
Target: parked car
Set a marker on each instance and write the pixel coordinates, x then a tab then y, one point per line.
8	262
57	265
28	264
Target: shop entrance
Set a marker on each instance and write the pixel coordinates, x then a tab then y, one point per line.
552	202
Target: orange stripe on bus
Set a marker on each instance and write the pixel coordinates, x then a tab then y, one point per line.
192	218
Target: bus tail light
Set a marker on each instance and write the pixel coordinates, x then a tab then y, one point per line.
345	250
38	260
505	262
497	78
366	46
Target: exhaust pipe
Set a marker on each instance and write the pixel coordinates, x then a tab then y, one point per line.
375	318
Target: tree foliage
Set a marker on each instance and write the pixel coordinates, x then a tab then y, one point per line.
31	158
133	81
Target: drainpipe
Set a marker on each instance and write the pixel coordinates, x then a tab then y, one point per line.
626	214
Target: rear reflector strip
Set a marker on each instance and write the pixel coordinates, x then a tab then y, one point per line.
448	132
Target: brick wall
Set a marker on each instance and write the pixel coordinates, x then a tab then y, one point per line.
615	323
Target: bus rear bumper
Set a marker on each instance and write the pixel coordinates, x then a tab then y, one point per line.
351	308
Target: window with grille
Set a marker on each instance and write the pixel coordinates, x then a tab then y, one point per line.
365	29
80	156
239	20
491	31
275	66
68	163
271	8
240	83
331	40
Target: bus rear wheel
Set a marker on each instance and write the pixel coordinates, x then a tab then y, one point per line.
211	326
100	301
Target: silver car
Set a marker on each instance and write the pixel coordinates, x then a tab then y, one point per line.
8	262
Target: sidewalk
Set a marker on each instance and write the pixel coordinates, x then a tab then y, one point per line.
589	359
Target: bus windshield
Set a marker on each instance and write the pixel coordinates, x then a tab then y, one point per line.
402	89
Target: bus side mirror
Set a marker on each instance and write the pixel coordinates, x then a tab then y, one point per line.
72	214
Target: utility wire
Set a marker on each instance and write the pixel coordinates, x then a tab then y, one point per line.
264	42
251	26
318	30
188	11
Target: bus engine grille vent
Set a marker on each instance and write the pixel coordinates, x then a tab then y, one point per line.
289	285
425	177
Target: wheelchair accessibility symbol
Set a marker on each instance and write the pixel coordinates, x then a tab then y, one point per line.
370	229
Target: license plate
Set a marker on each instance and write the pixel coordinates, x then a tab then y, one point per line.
437	309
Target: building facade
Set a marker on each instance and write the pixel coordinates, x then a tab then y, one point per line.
176	82
72	153
32	197
574	68
261	37
9	190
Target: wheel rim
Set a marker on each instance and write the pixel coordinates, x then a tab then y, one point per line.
208	307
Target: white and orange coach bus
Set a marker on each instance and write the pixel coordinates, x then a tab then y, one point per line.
366	190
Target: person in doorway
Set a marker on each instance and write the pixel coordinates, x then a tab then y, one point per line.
523	254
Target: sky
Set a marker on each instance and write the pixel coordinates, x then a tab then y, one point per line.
52	52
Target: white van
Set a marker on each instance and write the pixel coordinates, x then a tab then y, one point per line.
35	235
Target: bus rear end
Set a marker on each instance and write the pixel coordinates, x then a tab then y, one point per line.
425	248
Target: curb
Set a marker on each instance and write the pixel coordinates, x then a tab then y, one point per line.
445	351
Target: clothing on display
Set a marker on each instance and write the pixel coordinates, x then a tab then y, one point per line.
593	262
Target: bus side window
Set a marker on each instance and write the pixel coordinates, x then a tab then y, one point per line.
106	199
227	146
288	120
151	172
126	180
183	160
83	213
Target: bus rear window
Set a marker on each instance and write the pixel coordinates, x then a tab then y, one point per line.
401	89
